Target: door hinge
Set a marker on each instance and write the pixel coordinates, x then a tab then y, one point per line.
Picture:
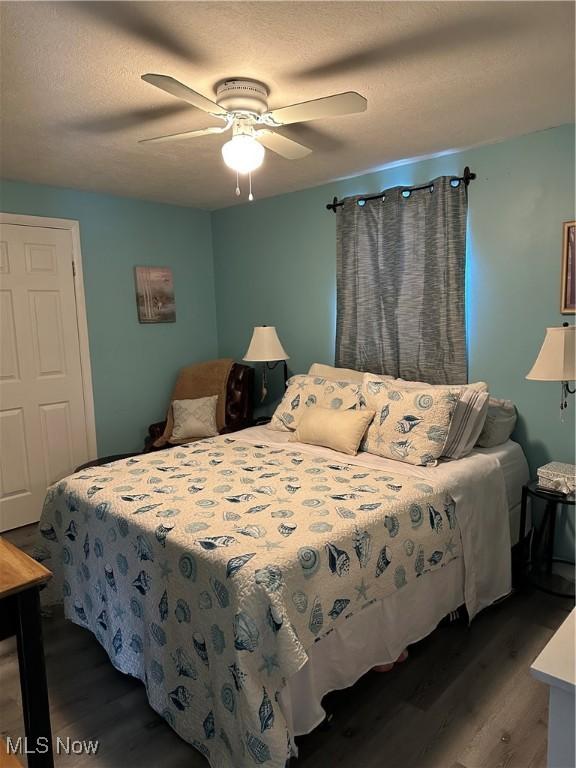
73	268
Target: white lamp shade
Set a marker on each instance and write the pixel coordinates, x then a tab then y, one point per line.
556	359
265	346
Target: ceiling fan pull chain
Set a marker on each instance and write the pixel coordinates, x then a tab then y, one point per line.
250	195
237	185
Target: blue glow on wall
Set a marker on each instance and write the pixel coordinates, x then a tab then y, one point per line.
275	260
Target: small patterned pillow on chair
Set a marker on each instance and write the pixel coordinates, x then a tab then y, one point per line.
194	419
305	392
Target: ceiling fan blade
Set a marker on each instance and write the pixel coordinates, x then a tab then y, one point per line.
185	135
329	106
283	146
181	91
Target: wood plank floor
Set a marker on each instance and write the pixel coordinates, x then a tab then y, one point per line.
464	699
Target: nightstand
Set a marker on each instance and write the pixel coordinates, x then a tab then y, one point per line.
538	564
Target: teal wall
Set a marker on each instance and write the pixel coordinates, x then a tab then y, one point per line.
275	264
133	365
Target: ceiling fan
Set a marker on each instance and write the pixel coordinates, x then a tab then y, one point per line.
242	105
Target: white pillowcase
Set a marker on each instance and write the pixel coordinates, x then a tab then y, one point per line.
194	419
468	418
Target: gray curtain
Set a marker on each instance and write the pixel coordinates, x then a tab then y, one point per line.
400	283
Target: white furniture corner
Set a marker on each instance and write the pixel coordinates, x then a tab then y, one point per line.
555	667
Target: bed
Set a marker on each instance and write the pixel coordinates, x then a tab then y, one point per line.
243	577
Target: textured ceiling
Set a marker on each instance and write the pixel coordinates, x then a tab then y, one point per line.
438	76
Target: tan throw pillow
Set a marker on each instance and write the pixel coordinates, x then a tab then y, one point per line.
410	425
194	419
308	392
340	430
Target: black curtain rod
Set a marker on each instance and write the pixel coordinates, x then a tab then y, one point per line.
466	177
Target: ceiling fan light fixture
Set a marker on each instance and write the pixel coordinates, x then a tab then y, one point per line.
243	153
243	106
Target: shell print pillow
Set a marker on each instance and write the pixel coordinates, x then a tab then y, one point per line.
305	392
410	425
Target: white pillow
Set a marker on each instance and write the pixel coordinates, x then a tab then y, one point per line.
194	419
468	418
336	374
500	423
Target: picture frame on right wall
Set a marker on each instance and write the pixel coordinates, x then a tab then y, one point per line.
568	296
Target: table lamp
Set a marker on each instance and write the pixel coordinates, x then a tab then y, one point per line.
556	360
265	347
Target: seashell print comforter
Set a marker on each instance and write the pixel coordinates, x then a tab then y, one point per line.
207	571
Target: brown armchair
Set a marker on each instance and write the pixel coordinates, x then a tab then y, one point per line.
237	409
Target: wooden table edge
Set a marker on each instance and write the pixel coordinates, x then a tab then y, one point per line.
34	574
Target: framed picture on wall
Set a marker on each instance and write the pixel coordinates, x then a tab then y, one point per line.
568	298
155	295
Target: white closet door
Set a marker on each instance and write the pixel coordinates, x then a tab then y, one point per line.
43	434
